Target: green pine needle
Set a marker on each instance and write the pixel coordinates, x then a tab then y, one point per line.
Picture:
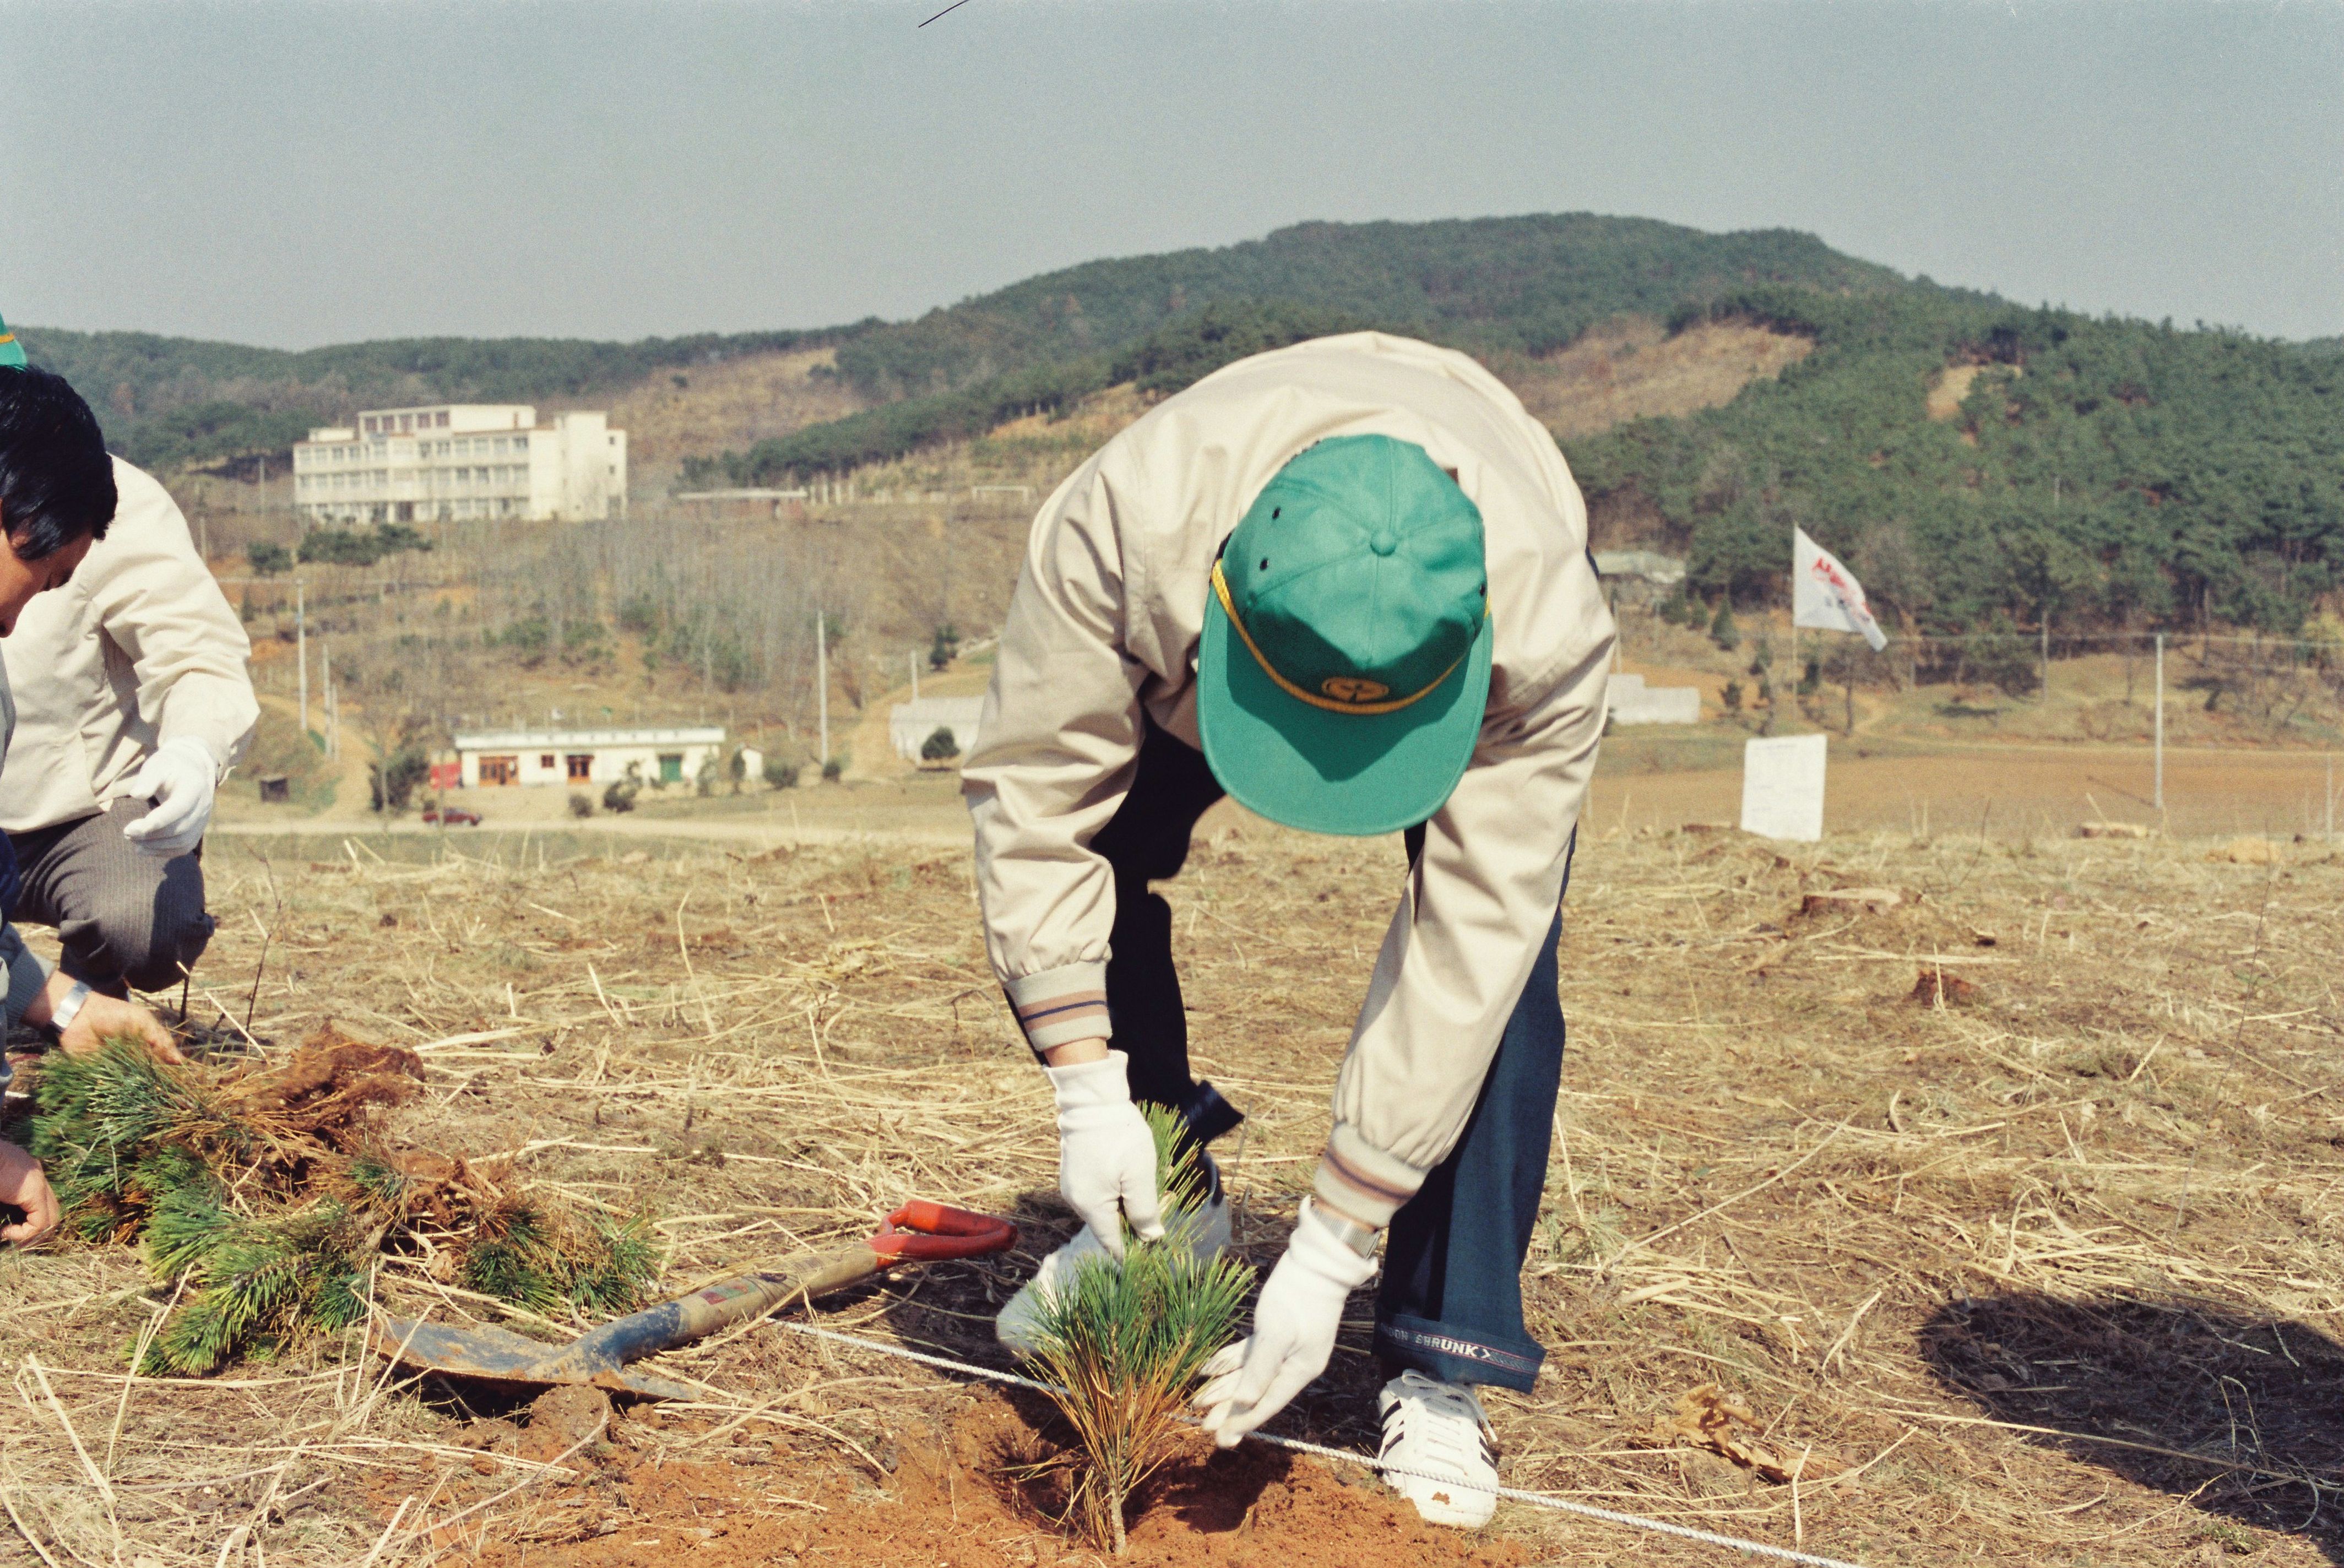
1124	1341
135	1149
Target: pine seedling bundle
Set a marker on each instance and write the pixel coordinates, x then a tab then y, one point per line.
265	1202
1122	1341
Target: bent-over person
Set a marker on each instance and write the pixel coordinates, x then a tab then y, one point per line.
1346	582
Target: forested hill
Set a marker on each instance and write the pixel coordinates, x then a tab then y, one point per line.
2100	474
1502	282
1492	286
1523	283
169	402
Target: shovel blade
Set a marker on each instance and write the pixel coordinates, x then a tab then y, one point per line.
480	1353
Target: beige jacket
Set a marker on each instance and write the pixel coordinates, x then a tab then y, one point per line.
23	972
139	648
1105	622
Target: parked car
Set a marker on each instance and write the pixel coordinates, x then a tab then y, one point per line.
452	816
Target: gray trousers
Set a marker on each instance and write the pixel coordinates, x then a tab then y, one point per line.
123	919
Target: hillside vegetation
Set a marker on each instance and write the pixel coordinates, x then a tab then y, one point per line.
170	402
1524	284
1986	468
2102	474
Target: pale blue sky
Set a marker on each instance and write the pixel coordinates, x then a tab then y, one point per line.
295	174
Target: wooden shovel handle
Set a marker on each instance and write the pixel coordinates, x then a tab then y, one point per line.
918	1232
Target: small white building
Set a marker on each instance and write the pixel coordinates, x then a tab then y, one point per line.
911	723
1630	701
455	460
581	757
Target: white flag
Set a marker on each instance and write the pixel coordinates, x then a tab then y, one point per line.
1826	594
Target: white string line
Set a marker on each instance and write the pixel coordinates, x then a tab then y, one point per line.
1535	1499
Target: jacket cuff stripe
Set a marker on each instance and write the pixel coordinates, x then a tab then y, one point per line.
1032	1013
1057	1007
1084	1023
1354	1192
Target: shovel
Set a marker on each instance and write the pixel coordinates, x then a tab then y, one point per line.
919	1232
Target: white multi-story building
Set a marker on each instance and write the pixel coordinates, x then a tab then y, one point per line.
579	757
461	461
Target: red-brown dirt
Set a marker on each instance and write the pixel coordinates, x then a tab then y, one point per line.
956	1502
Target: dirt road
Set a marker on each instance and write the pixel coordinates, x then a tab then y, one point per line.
2010	791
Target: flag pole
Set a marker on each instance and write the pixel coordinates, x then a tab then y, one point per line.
1798	670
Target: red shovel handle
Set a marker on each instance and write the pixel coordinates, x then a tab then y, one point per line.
923	1233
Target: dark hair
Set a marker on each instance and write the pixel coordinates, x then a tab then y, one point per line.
56	484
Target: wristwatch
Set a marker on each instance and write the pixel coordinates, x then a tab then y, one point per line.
67	1010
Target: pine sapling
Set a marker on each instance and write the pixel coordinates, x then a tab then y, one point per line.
140	1150
1123	1342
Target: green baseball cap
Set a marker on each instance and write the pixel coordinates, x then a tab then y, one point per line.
12	352
1346	656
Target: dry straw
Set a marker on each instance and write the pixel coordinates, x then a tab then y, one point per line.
1983	1292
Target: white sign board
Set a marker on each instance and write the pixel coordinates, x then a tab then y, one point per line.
1783	787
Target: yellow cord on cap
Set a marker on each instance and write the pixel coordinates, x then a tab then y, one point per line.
1300	694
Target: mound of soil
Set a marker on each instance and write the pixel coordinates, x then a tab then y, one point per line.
951	1503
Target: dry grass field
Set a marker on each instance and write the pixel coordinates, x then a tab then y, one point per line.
2005	1210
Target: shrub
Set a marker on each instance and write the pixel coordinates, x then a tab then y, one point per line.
832	768
1723	631
360	547
940	747
392	781
945	648
780	774
580	804
619	796
268	560
1732	696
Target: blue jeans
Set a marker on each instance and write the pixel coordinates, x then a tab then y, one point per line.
1451	1304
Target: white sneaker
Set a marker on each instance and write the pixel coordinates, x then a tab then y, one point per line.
1207	1231
1434	1429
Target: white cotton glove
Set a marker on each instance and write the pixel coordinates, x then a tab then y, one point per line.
181	779
1294	1325
1107	1155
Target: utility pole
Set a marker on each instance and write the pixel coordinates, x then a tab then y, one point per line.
2042	692
301	649
326	679
915	659
2160	724
822	680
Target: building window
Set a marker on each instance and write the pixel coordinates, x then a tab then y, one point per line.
495	770
440	419
581	766
520	443
545	761
671	766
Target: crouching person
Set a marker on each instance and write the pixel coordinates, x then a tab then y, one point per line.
133	701
1346	583
56	498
